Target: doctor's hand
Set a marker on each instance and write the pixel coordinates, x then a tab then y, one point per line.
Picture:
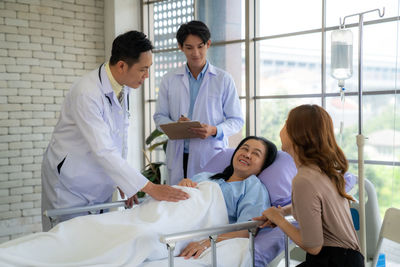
164	192
187	182
204	131
271	217
133	199
183	118
129	202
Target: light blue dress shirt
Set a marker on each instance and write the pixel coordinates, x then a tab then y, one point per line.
244	199
194	86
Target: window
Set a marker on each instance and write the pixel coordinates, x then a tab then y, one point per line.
280	58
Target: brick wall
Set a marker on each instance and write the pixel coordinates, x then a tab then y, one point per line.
45	45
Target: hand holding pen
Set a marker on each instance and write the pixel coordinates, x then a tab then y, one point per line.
183	118
202	132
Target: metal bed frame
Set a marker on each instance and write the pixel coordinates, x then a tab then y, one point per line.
54	213
171	239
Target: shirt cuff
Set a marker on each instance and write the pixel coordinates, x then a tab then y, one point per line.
220	133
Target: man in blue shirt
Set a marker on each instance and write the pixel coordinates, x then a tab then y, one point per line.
201	92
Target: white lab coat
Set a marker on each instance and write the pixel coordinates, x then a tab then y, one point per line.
217	104
84	161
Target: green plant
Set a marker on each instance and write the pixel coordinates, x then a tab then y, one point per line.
152	169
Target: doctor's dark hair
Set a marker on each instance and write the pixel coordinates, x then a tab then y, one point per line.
269	158
194	27
128	47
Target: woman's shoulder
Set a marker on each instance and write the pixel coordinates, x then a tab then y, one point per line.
308	178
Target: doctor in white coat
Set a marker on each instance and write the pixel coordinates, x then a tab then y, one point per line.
86	159
202	92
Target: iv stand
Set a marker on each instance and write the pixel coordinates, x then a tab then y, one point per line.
360	136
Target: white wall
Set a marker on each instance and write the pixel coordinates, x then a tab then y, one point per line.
45	45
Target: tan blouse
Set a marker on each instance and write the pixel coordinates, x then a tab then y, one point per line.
323	215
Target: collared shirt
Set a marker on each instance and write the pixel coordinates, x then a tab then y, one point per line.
244	199
194	86
114	84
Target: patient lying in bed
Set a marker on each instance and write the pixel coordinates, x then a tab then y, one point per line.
131	237
245	196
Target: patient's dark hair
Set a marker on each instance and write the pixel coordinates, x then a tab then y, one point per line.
128	47
269	159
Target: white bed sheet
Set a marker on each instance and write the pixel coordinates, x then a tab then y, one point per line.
130	237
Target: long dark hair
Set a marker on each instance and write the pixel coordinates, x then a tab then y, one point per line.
269	159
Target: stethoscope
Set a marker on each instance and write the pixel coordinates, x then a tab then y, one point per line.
125	113
108	98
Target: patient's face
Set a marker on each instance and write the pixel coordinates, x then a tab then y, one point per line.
249	158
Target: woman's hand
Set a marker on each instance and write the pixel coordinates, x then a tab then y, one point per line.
187	182
271	217
194	249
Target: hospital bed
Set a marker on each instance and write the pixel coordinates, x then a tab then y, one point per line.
264	247
170	240
267	247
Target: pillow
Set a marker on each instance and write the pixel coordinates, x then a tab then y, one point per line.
277	178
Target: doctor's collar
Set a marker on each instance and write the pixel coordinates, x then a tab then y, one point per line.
201	74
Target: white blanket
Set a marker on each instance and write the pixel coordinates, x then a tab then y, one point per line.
121	238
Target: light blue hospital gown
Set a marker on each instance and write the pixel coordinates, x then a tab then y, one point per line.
244	199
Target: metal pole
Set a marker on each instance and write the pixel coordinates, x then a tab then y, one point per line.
361	141
171	248
360	137
251	246
287	262
213	241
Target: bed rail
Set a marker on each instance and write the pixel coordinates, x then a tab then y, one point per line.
54	213
171	239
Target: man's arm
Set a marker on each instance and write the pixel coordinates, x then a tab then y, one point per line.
87	109
232	110
162	113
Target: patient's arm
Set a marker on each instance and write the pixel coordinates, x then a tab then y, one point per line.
194	249
187	182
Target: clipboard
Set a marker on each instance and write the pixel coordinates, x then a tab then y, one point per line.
180	130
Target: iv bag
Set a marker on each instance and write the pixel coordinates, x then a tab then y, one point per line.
342	54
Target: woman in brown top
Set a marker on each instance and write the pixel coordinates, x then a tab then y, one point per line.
319	201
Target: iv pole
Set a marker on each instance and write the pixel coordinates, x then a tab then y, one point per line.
360	136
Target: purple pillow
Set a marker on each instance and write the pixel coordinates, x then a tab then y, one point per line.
277	178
